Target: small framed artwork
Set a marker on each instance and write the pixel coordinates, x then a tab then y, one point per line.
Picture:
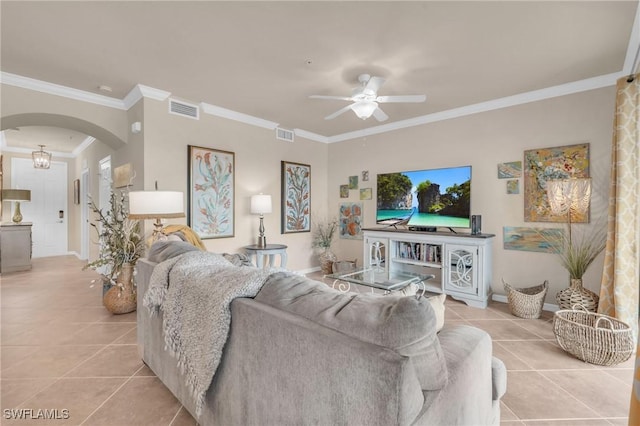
365	175
509	170
350	221
122	176
296	197
353	182
76	191
344	191
365	193
211	195
513	186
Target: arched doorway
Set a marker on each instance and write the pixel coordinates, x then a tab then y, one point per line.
80	166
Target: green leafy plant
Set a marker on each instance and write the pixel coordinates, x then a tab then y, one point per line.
119	238
323	232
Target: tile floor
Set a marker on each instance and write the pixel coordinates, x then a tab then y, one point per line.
61	350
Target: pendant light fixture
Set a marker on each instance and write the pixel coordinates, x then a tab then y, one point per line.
41	159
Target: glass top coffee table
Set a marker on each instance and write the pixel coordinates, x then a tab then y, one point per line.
371	277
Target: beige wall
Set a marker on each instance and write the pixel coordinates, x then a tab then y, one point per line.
257	169
482	141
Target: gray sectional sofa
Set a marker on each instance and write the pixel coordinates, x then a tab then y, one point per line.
301	353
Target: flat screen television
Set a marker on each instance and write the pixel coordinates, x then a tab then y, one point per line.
425	199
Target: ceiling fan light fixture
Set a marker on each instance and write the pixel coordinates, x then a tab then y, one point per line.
41	159
364	109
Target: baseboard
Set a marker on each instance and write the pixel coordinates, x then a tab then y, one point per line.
546	307
308	271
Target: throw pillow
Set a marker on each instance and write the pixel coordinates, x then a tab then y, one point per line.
437	303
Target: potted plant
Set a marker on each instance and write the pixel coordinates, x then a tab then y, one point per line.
121	245
323	233
576	252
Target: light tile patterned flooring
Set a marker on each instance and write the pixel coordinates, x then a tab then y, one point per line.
61	350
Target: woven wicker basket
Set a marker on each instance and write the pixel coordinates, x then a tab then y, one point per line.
594	338
526	302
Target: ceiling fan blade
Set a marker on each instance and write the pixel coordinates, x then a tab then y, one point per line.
403	98
380	114
337	113
337	98
373	85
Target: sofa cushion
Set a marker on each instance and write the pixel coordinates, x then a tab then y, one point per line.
404	324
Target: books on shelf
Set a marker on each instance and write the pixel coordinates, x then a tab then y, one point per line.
423	252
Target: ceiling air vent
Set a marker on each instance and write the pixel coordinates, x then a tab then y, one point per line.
183	109
284	134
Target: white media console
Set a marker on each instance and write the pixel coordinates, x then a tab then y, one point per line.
461	263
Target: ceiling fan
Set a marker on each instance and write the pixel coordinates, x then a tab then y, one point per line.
365	99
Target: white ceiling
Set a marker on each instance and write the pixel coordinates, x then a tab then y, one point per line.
265	58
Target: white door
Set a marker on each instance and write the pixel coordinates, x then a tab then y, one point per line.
48	207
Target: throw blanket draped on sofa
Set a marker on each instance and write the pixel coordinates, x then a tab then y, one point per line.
206	283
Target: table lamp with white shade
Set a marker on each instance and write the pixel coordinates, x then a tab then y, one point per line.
17	195
156	205
261	204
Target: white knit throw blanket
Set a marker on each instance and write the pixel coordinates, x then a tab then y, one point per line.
194	292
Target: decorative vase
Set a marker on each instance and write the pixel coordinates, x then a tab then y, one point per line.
577	294
121	298
326	261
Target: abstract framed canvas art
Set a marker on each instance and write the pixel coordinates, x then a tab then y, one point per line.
211	195
545	164
522	238
296	197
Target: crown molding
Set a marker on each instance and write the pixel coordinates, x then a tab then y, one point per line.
29	151
141	91
84	145
311	136
56	89
509	101
237	116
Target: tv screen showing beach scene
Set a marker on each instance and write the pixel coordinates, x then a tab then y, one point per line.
425	198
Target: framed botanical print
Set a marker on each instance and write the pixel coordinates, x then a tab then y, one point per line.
211	195
296	197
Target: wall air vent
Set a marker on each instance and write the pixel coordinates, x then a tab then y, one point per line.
184	109
284	134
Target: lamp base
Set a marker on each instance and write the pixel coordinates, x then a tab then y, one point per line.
262	241
17	215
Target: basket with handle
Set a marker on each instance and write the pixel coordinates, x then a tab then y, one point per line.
526	302
594	338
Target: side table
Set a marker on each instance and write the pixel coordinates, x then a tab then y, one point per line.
269	250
